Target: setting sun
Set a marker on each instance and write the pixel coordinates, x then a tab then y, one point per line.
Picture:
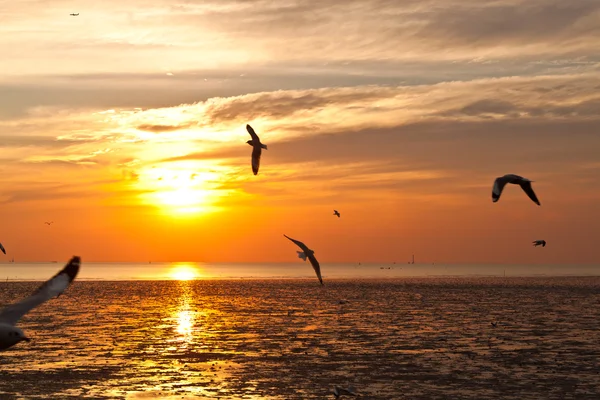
180	187
184	272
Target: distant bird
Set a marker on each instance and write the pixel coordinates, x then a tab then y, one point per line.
74	15
308	253
10	315
537	243
2	248
525	184
338	391
49	223
257	149
494	324
336	212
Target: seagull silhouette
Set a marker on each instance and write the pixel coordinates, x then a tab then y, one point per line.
308	253
2	248
338	391
525	184
10	315
336	212
537	243
49	223
257	147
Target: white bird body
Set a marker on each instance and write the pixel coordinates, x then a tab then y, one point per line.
10	315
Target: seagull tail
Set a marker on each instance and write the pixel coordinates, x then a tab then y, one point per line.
264	146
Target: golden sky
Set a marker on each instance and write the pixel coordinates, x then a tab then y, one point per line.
126	127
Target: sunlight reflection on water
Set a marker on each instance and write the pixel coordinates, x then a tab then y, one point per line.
281	339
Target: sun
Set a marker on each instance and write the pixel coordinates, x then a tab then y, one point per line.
181	188
184	272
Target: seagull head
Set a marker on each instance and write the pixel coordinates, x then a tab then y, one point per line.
12	336
250	142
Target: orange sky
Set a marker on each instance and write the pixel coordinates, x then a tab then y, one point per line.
126	127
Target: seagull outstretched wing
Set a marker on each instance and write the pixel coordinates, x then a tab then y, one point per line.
49	289
499	184
256	152
526	186
252	133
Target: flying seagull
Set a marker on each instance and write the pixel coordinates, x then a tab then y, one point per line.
336	212
49	223
257	149
308	253
338	391
525	184
537	243
10	315
74	15
2	248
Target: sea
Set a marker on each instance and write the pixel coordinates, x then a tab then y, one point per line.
271	331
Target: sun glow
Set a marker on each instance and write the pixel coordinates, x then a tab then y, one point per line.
184	272
182	187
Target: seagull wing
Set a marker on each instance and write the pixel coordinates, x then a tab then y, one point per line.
316	266
349	391
305	249
526	186
2	248
49	289
499	184
252	133
256	152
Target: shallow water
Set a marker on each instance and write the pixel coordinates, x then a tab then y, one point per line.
411	338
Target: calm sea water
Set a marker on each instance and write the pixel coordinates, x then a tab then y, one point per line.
392	338
166	271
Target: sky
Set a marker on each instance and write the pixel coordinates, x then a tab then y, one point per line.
125	126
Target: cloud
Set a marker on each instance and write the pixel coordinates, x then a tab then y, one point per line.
524	23
161	128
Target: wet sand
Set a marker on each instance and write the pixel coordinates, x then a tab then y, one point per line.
419	338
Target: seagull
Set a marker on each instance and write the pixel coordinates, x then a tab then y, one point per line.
257	149
49	223
336	212
494	324
537	243
338	391
525	184
10	315
74	15
2	248
308	253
